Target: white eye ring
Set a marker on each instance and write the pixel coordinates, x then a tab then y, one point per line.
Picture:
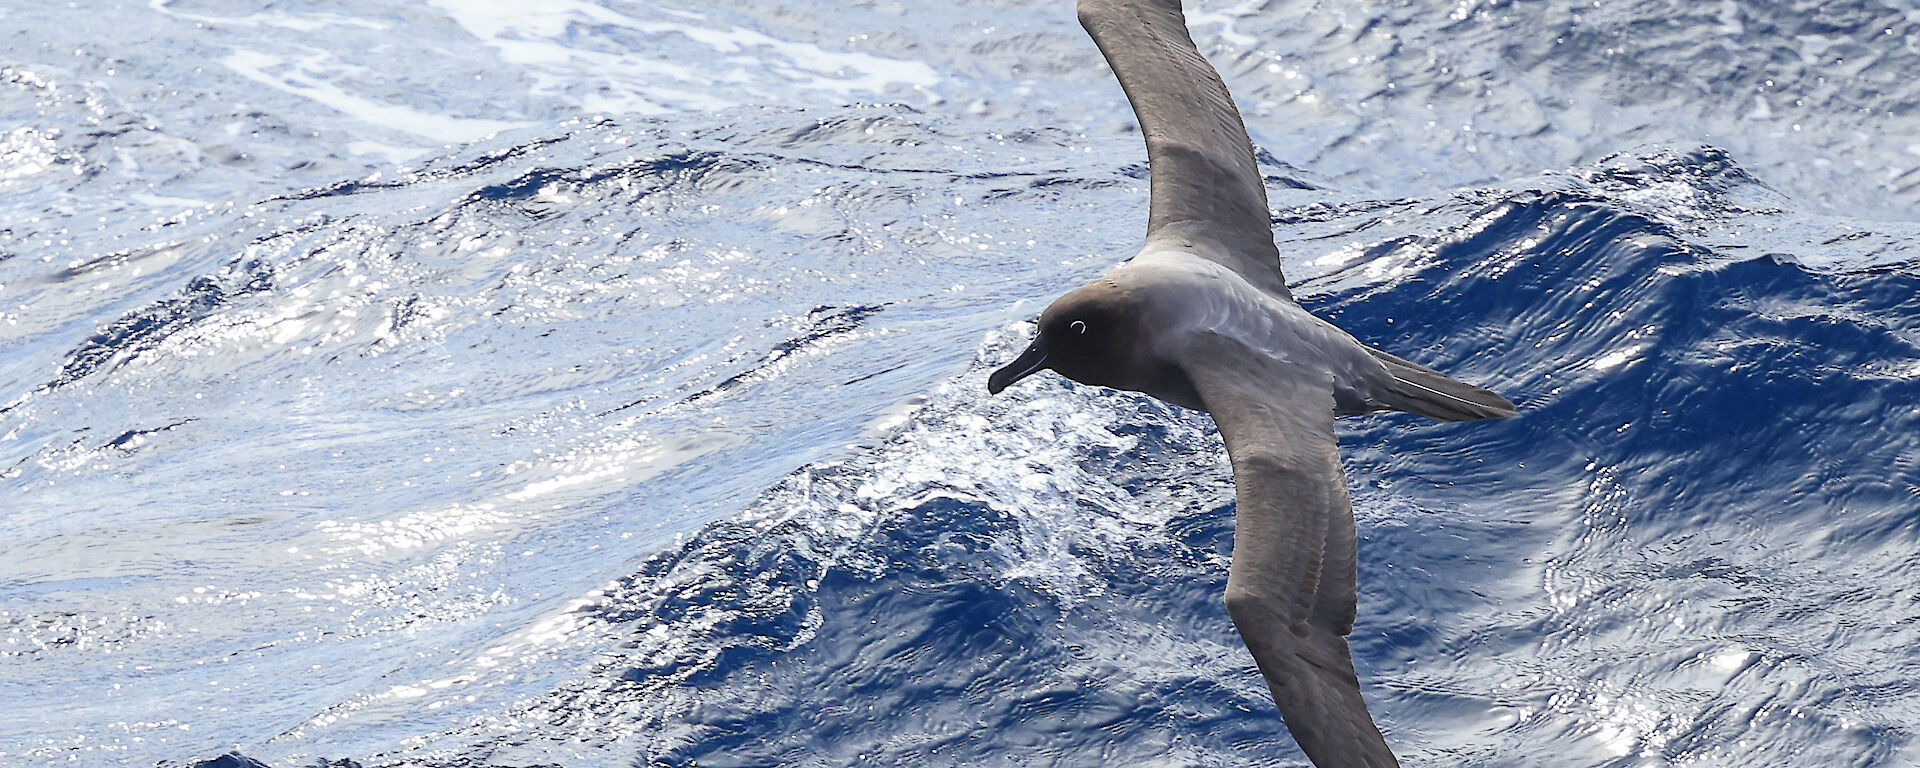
1078	326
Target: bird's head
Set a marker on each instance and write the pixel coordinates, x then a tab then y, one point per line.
1089	335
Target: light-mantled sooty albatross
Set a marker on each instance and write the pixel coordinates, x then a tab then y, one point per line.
1201	317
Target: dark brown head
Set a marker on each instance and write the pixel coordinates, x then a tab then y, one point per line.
1089	335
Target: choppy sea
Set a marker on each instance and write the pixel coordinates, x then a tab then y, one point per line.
600	383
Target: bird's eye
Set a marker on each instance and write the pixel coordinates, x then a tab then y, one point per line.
1078	326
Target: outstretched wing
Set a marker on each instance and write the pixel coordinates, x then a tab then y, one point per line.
1205	182
1290	589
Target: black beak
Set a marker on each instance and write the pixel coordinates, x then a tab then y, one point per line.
1030	361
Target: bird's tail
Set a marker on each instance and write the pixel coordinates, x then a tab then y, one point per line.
1418	389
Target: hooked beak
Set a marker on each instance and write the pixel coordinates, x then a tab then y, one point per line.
1030	361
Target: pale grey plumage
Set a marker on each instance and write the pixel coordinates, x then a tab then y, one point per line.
1202	318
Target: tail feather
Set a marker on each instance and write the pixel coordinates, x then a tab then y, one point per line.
1418	389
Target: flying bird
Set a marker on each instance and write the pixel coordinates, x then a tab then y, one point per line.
1201	318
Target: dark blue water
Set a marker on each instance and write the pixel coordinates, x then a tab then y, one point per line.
603	384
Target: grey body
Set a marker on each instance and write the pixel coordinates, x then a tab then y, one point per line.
1201	317
1193	304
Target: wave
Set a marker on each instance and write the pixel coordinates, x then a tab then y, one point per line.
1699	528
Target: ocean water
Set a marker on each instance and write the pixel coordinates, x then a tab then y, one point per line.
592	383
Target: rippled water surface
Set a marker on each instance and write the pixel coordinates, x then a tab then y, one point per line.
594	383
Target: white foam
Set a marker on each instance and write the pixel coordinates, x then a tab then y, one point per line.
1617	357
542	38
1226	17
25	152
166	201
297	78
392	153
286	21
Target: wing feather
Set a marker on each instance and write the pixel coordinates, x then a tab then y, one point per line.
1291	588
1206	185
